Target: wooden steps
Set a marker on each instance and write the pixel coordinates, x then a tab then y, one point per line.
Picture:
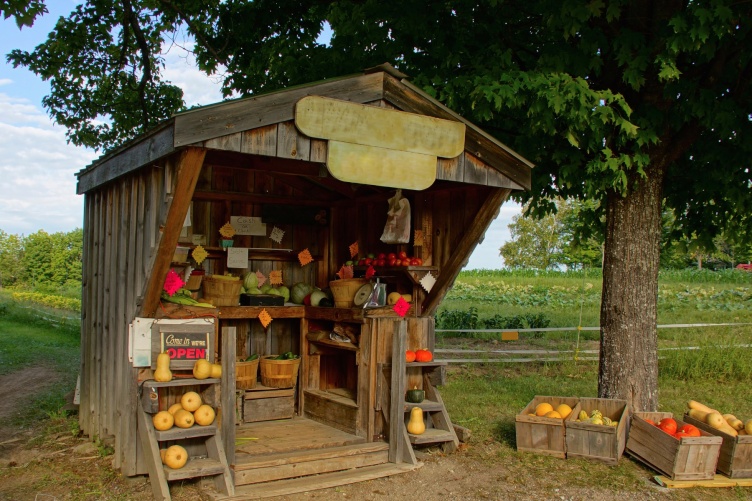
283	465
432	436
310	483
195	467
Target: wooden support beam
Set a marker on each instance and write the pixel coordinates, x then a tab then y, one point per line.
227	392
449	271
188	169
400	449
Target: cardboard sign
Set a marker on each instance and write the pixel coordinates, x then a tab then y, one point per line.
184	343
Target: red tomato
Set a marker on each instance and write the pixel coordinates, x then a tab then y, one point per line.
405	262
368	261
415	262
382	262
420	261
409	356
391	261
668	425
402	255
362	261
381	256
391	255
689	431
397	262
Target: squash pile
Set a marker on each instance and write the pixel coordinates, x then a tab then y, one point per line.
184	414
596	417
545	409
726	423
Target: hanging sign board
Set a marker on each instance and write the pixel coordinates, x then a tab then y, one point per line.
185	343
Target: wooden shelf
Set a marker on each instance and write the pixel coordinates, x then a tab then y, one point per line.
336	395
434	363
194	431
431	436
425	405
198	467
334	344
242	312
189	381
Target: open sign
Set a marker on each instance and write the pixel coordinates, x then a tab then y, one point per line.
185	343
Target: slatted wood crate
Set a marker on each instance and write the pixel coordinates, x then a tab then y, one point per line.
735	458
688	458
267	404
540	434
595	441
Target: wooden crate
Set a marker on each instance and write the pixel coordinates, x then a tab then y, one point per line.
595	441
267	404
688	458
539	434
735	458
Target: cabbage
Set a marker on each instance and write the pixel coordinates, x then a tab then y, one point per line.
299	291
273	292
265	288
284	292
250	281
317	296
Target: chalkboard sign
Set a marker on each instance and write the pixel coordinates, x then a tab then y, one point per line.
185	343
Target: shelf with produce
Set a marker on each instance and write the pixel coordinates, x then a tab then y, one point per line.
425	405
183	433
179	381
257	254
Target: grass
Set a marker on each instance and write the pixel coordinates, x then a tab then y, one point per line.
29	340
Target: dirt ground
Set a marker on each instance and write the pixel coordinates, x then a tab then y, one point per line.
50	462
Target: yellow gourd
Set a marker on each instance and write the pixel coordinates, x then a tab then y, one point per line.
416	426
163	372
175	457
202	369
216	371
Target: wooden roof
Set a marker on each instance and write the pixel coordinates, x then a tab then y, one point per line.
222	126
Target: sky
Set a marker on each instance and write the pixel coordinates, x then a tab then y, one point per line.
38	165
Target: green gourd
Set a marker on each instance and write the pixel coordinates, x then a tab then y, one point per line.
416	426
163	373
415	396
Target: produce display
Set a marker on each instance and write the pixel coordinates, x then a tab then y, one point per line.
184	414
726	423
415	396
203	369
163	373
183	296
391	259
596	417
423	355
416	425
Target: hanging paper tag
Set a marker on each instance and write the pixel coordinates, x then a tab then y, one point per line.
305	257
370	271
418	238
173	282
227	231
345	272
354	249
401	307
199	254
277	234
261	279
237	257
428	281
275	277
265	318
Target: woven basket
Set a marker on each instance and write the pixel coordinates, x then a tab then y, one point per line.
246	374
194	282
344	291
279	373
222	292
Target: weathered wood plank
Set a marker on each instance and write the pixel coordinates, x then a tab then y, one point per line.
476	172
258	111
291	143
156	145
260	141
190	163
451	268
227	394
229	142
450	169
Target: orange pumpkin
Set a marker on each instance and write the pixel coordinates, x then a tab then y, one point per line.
409	356
423	356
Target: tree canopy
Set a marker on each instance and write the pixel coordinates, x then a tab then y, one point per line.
635	106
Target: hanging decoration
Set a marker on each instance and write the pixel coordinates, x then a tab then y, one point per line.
227	232
173	282
401	307
277	234
199	254
418	238
428	281
305	257
354	249
345	272
261	278
265	318
275	277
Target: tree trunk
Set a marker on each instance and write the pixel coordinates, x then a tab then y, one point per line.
629	341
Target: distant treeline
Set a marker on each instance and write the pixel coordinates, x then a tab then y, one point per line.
46	262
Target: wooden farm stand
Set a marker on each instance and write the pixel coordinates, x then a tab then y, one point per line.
344	420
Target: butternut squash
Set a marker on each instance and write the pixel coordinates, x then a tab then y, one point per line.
163	373
416	425
698	415
748	427
216	371
716	420
202	369
694	404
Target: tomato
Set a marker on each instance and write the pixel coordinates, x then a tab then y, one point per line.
420	261
362	261
391	255
689	431
391	261
668	425
402	255
415	262
397	262
368	261
381	262
381	256
406	262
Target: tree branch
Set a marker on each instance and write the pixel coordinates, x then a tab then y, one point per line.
132	20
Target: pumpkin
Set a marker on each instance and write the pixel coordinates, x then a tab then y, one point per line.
175	457
163	373
409	356
415	396
184	419
216	371
163	420
204	415
202	369
669	425
423	355
191	401
416	426
174	408
162	453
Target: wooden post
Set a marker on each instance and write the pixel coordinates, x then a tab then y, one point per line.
227	398
400	450
188	169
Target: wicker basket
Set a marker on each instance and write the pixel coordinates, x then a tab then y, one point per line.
344	291
194	281
221	292
279	373
246	374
